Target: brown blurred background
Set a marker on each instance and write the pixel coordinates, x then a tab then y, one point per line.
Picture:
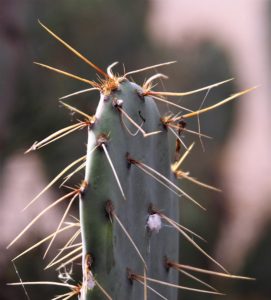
212	41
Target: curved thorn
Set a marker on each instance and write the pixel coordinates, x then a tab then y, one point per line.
147	84
109	69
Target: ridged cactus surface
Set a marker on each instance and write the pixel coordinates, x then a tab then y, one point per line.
129	198
103	238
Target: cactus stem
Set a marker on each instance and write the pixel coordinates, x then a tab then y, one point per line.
90	82
172	264
58	176
136	125
45	239
153	93
71	194
158	175
130	239
103	290
128	130
78	92
103	138
89	281
153	290
109	208
74	51
134	276
106	241
149	68
192	242
60	223
158	180
112	215
113	169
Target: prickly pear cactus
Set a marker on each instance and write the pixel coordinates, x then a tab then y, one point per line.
126	195
128	234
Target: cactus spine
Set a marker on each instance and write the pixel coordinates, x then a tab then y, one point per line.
129	192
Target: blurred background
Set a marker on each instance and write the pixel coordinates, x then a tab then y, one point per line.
211	41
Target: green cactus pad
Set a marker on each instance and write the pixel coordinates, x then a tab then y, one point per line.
103	238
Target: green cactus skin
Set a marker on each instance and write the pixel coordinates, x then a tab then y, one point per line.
126	135
110	250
